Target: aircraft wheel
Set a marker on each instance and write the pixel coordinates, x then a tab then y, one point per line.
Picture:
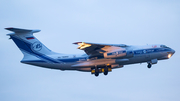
149	65
96	71
106	71
96	74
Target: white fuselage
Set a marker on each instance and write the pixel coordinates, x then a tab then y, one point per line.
99	58
137	54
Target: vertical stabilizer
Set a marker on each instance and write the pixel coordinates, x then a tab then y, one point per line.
29	45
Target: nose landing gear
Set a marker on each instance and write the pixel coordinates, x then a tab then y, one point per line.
153	61
149	65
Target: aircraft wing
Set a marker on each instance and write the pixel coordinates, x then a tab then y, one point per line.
95	49
92	63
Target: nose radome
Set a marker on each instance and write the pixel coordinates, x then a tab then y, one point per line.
173	51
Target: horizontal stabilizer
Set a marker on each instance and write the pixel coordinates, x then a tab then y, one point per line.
18	30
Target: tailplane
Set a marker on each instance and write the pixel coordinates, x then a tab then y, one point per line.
29	45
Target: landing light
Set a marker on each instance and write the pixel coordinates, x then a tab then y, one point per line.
169	55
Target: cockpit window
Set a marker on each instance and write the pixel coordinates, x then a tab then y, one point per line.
164	46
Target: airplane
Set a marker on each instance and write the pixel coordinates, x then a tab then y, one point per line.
99	58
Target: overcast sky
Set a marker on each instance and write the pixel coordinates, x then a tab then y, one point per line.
62	22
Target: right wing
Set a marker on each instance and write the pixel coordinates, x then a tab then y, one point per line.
95	49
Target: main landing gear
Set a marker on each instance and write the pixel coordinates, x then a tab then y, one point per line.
153	61
101	69
106	69
96	71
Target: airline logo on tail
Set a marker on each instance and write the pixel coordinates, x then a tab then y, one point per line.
37	46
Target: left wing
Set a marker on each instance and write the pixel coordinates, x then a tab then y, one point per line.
92	63
95	49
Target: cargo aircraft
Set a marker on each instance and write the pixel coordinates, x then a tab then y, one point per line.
99	58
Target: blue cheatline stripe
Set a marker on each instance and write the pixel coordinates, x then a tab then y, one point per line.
116	53
34	61
147	51
63	60
73	59
35	56
27	47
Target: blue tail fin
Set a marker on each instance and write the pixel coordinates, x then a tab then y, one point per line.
30	46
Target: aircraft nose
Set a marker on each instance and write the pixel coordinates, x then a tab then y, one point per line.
170	53
173	51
